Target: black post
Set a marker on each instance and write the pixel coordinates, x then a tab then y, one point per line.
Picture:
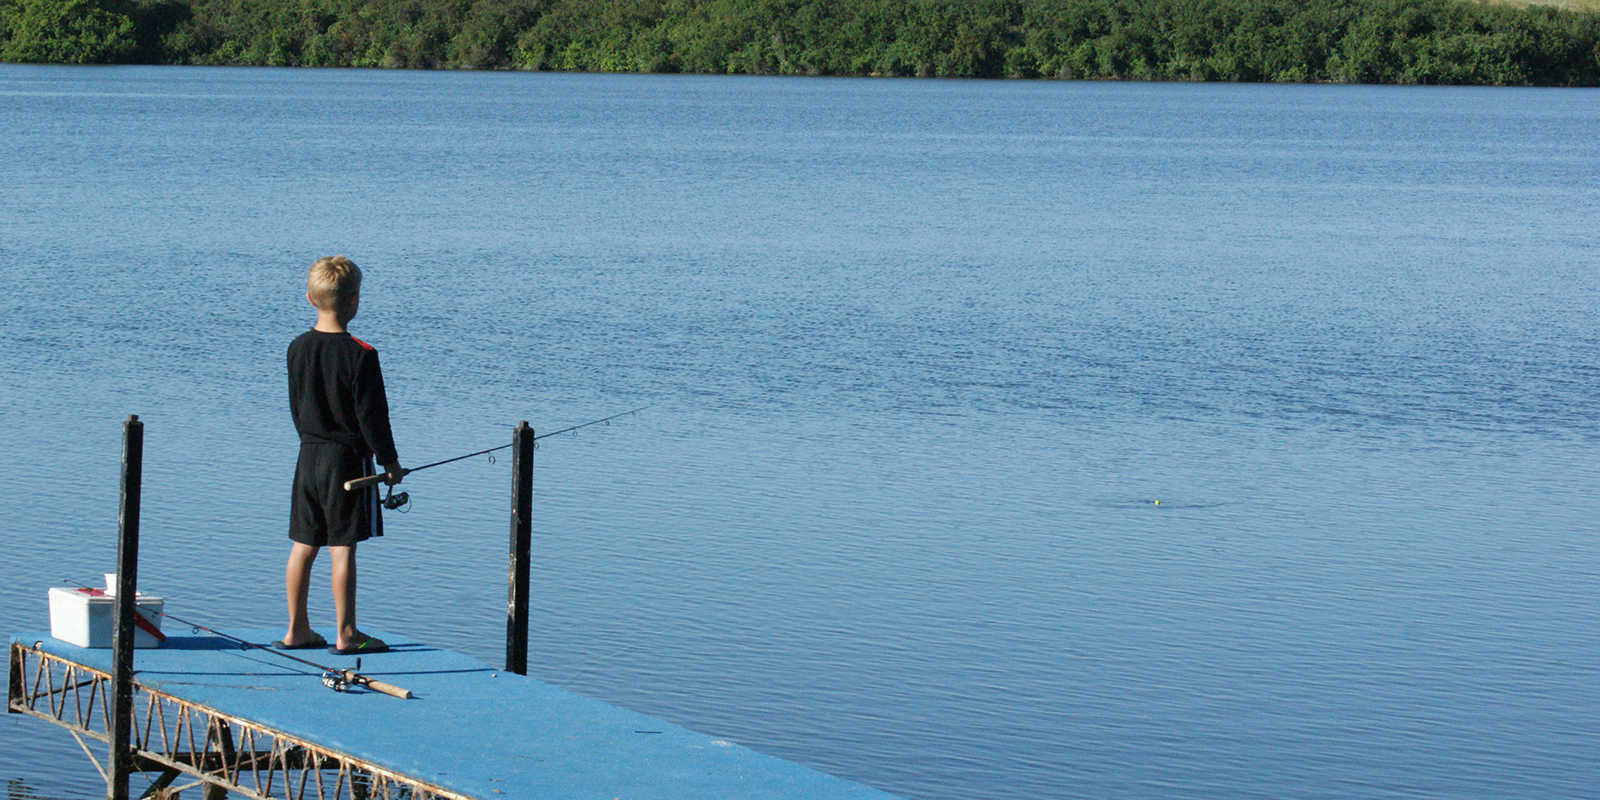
521	547
121	755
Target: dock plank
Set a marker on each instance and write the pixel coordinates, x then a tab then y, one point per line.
470	729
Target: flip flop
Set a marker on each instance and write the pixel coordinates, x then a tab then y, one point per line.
371	644
315	642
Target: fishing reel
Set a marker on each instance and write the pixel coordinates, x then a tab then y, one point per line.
393	501
340	681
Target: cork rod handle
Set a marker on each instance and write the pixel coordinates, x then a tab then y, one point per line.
370	480
377	686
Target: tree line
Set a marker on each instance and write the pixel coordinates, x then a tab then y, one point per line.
1356	41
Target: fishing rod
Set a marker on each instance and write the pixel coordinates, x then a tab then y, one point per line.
338	680
372	480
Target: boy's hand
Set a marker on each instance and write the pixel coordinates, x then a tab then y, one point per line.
395	474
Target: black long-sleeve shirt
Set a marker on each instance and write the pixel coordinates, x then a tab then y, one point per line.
336	394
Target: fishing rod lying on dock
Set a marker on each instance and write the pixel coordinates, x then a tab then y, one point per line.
372	480
338	680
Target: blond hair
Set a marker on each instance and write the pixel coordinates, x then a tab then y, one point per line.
332	282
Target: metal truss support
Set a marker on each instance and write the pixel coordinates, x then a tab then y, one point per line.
180	739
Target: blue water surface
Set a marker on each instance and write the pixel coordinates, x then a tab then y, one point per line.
1004	439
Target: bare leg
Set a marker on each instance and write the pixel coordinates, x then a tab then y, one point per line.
296	588
344	594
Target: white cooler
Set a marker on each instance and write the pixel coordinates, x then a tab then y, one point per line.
82	616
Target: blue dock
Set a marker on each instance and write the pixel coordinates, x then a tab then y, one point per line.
246	721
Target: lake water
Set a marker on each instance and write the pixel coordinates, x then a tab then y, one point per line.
920	358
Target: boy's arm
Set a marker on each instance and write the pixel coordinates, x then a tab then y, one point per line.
372	412
294	396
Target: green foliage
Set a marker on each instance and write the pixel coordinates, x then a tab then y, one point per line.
1368	41
66	32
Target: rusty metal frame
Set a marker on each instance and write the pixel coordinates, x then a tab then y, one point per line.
176	737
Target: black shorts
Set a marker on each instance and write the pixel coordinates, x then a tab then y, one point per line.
321	512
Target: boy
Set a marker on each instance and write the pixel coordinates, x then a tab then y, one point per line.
342	415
